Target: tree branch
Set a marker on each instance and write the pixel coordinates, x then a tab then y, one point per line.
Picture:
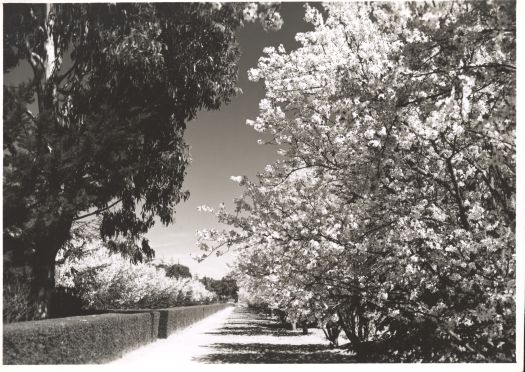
98	211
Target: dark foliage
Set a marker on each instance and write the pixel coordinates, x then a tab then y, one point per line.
225	288
175	270
114	85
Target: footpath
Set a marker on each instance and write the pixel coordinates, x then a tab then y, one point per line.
236	335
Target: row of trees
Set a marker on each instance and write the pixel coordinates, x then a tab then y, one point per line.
225	288
391	214
105	280
96	128
95	279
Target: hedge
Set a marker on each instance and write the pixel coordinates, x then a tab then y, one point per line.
176	318
78	340
95	338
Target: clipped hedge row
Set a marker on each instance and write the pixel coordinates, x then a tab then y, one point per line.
176	318
94	338
78	340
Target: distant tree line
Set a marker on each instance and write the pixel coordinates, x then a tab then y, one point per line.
225	288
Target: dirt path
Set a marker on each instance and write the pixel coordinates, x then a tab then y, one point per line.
237	335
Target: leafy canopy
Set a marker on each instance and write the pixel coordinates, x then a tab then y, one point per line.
114	85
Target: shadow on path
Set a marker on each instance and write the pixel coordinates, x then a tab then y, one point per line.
274	353
263	340
247	330
244	322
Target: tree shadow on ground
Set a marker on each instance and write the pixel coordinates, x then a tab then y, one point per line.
273	353
248	323
259	330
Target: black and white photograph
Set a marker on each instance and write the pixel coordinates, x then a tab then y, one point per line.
195	184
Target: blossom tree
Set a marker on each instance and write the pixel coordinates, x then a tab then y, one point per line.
393	206
106	280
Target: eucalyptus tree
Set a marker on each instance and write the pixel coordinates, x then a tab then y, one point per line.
97	128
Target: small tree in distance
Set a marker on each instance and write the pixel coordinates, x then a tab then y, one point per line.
175	270
226	288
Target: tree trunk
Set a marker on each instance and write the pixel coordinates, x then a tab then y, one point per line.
49	45
28	286
42	263
305	329
347	319
42	282
332	331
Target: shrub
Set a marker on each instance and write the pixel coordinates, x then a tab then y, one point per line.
16	292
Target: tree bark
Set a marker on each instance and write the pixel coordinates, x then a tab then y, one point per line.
305	329
42	282
49	45
42	263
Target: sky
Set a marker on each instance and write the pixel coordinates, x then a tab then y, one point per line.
222	145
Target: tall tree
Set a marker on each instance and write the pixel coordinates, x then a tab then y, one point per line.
114	86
